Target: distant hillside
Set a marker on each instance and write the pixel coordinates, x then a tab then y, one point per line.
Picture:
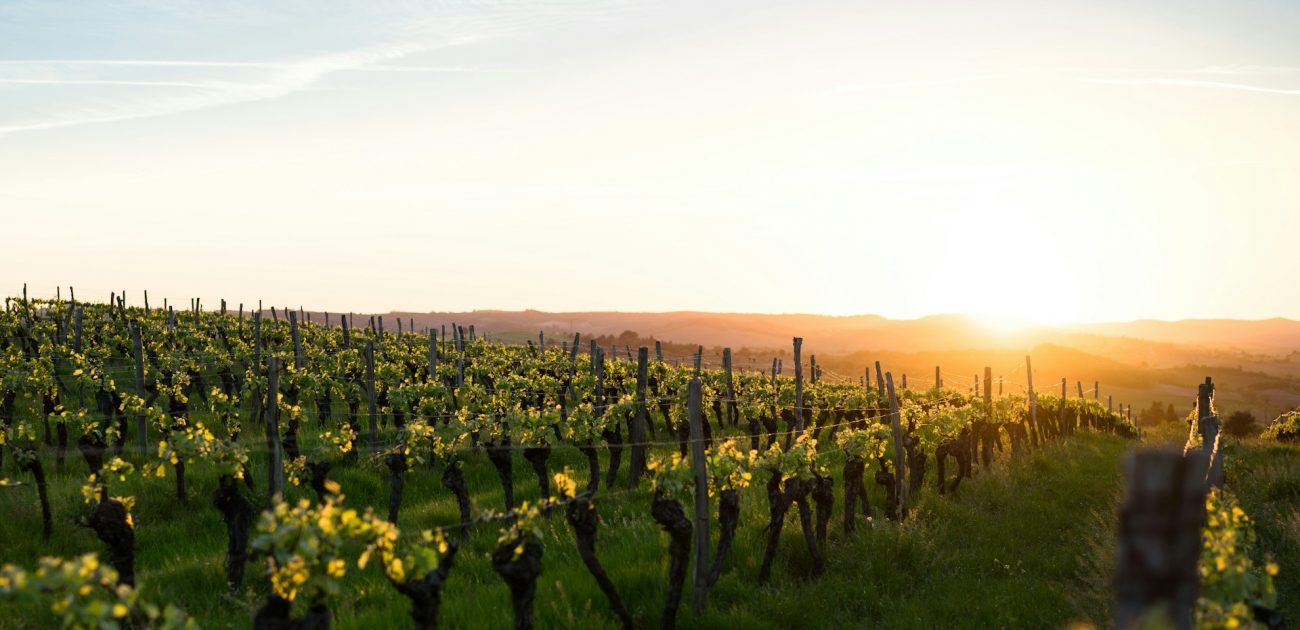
1265	335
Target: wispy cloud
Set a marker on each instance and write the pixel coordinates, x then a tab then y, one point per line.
204	85
1190	83
261	65
883	86
283	78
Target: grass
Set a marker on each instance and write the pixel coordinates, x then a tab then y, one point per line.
1265	476
1028	544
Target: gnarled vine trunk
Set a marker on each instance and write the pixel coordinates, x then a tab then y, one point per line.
237	512
425	593
520	572
581	514
109	521
671	517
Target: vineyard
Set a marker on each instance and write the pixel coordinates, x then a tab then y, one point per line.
174	469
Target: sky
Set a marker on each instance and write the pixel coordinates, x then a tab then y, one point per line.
1089	160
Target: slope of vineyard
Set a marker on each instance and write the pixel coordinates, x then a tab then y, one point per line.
1021	541
1027	546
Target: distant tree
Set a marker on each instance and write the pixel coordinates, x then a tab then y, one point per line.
1153	415
1170	414
1240	424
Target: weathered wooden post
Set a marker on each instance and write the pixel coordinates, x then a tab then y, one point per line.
1159	537
1060	416
636	463
370	395
433	355
141	423
732	407
275	472
798	385
988	391
900	457
297	341
700	582
938	379
257	339
1033	402
880	380
1210	434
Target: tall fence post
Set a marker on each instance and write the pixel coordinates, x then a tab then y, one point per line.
732	407
636	463
297	341
900	458
1208	423
1060	416
275	472
988	391
698	467
1159	537
433	355
798	385
141	423
370	395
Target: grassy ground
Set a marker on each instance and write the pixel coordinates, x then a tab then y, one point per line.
1265	476
1027	545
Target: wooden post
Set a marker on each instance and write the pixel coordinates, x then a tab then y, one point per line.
699	468
938	379
370	395
141	423
1060	416
880	380
988	391
275	472
347	333
146	300
731	388
1159	537
257	339
636	463
1210	435
798	385
699	357
812	368
297	341
1096	391
1033	401
900	457
659	351
433	356
866	379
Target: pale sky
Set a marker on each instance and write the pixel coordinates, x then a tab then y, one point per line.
1055	161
